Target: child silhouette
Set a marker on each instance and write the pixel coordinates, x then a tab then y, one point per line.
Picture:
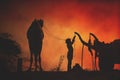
69	43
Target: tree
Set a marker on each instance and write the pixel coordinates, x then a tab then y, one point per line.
10	49
9	46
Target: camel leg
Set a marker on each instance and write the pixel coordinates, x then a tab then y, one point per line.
95	63
31	61
95	60
40	62
40	67
35	62
92	62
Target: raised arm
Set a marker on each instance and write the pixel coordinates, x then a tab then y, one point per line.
73	40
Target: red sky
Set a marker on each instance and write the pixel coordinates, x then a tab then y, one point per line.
61	19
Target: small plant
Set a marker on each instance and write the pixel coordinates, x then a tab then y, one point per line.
59	64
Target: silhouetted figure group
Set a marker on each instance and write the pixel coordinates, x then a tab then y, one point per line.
35	37
107	53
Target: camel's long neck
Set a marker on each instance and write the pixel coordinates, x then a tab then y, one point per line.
94	36
83	42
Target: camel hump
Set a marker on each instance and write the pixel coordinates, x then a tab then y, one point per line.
116	42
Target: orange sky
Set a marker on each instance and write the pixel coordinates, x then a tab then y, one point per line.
61	19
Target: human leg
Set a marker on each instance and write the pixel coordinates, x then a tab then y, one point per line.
69	65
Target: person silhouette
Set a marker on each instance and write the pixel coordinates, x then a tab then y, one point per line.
35	37
69	44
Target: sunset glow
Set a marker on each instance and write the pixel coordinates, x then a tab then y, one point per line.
61	20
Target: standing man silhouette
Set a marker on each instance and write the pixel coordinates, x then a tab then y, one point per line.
35	37
69	43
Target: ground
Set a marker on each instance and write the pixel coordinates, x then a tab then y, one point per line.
83	75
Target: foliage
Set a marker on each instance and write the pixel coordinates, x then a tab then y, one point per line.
8	46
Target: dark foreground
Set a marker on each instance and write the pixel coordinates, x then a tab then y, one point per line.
86	75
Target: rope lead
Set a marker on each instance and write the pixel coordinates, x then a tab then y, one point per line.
51	35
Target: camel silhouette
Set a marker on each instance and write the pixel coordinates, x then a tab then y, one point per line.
108	53
35	37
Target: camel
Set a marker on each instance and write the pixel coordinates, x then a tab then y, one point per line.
108	53
35	37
